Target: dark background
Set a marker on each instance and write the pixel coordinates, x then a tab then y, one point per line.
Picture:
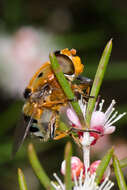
84	25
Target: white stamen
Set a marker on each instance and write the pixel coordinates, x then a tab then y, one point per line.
80	178
85	184
75	179
110	108
59	181
89	182
101	105
107	184
107	116
55	186
104	182
119	117
93	178
111	118
106	119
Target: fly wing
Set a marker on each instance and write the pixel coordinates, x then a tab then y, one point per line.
63	116
84	80
20	135
45	124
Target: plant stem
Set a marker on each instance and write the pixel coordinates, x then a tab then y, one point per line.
103	165
119	175
68	154
98	81
21	179
39	171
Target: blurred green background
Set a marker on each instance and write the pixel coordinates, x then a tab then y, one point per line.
29	30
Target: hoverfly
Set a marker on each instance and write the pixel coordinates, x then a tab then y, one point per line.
44	97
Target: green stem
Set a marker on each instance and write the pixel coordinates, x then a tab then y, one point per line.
103	165
21	179
39	171
68	154
119	175
98	80
123	163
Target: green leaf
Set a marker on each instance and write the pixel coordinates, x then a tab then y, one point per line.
98	80
39	171
123	162
21	179
68	154
119	175
66	87
103	165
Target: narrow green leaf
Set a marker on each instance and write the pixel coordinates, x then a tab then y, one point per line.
98	80
39	171
119	175
68	154
66	87
103	165
123	162
21	179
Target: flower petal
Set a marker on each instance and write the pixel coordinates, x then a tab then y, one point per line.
109	130
73	117
98	119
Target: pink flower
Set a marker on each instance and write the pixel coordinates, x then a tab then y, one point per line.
93	166
72	116
81	179
100	121
103	121
76	167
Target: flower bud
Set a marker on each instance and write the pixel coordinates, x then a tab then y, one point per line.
76	166
94	166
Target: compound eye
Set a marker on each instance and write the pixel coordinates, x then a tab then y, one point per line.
27	93
66	64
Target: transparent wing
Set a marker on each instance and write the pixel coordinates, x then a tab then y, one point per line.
63	116
20	134
45	124
84	80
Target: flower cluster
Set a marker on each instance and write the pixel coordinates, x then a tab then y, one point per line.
101	122
83	173
84	184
